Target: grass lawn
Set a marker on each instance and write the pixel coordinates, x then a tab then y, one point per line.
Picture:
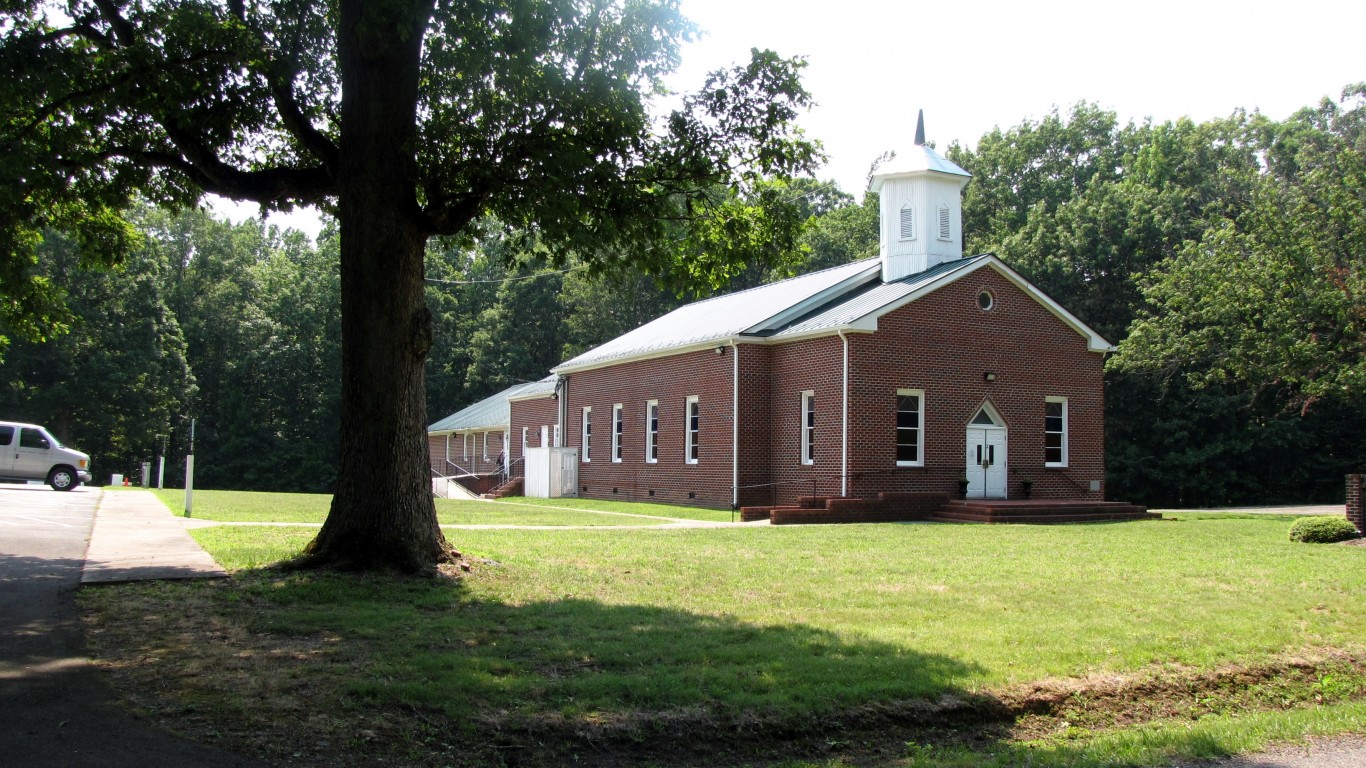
253	507
633	507
699	633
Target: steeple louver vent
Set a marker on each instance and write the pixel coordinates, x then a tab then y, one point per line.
907	223
944	222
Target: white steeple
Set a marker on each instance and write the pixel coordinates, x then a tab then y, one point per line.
921	205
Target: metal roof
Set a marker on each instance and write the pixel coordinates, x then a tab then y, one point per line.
849	309
759	310
918	159
849	297
493	412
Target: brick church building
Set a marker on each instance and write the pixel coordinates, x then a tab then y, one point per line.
909	372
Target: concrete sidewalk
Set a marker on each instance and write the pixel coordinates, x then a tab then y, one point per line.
135	538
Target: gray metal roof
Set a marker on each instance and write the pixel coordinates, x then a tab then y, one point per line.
849	297
849	309
755	311
493	412
918	159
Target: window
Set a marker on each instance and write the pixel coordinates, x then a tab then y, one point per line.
616	433
1055	432
486	446
587	434
910	436
557	442
32	438
809	427
7	435
468	442
525	432
692	426
943	222
907	222
652	432
985	301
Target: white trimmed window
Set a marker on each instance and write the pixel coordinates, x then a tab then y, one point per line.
469	446
651	431
693	427
587	434
809	427
910	431
616	433
486	446
557	443
1055	432
526	432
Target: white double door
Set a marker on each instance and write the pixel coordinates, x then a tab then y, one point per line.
986	462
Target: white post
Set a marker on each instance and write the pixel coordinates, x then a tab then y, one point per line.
189	473
189	483
161	471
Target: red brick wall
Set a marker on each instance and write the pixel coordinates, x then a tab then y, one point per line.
816	365
944	343
532	414
670	380
1354	510
756	384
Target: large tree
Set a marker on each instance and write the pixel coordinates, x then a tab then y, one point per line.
407	118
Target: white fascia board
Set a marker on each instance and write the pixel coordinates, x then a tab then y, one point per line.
650	354
1094	341
806	305
532	396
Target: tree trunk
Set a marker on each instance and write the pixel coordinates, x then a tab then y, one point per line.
382	515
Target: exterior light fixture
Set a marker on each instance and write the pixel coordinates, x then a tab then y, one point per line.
720	350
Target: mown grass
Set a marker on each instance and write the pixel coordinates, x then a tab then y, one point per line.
632	507
802	617
255	507
649	634
1149	745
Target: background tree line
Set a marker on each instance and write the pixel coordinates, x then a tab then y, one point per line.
1224	258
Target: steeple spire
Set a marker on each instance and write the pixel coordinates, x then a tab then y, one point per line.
919	129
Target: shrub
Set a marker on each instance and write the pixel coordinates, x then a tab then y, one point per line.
1322	530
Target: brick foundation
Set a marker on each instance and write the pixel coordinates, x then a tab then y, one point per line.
1354	512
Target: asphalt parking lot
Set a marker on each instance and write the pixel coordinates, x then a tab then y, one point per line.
55	709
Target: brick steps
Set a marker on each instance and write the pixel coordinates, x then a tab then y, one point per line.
512	487
1035	512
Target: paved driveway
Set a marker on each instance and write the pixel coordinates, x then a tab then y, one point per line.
54	709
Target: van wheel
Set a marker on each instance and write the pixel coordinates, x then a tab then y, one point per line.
62	479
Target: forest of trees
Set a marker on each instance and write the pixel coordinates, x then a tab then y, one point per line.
1226	259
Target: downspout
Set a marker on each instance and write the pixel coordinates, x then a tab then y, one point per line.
735	427
562	412
844	423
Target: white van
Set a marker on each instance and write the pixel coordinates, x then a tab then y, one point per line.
29	452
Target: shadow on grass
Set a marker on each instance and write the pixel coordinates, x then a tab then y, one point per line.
579	671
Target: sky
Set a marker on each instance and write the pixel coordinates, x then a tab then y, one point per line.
973	65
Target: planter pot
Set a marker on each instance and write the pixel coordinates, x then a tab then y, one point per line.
963	489
1027	488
